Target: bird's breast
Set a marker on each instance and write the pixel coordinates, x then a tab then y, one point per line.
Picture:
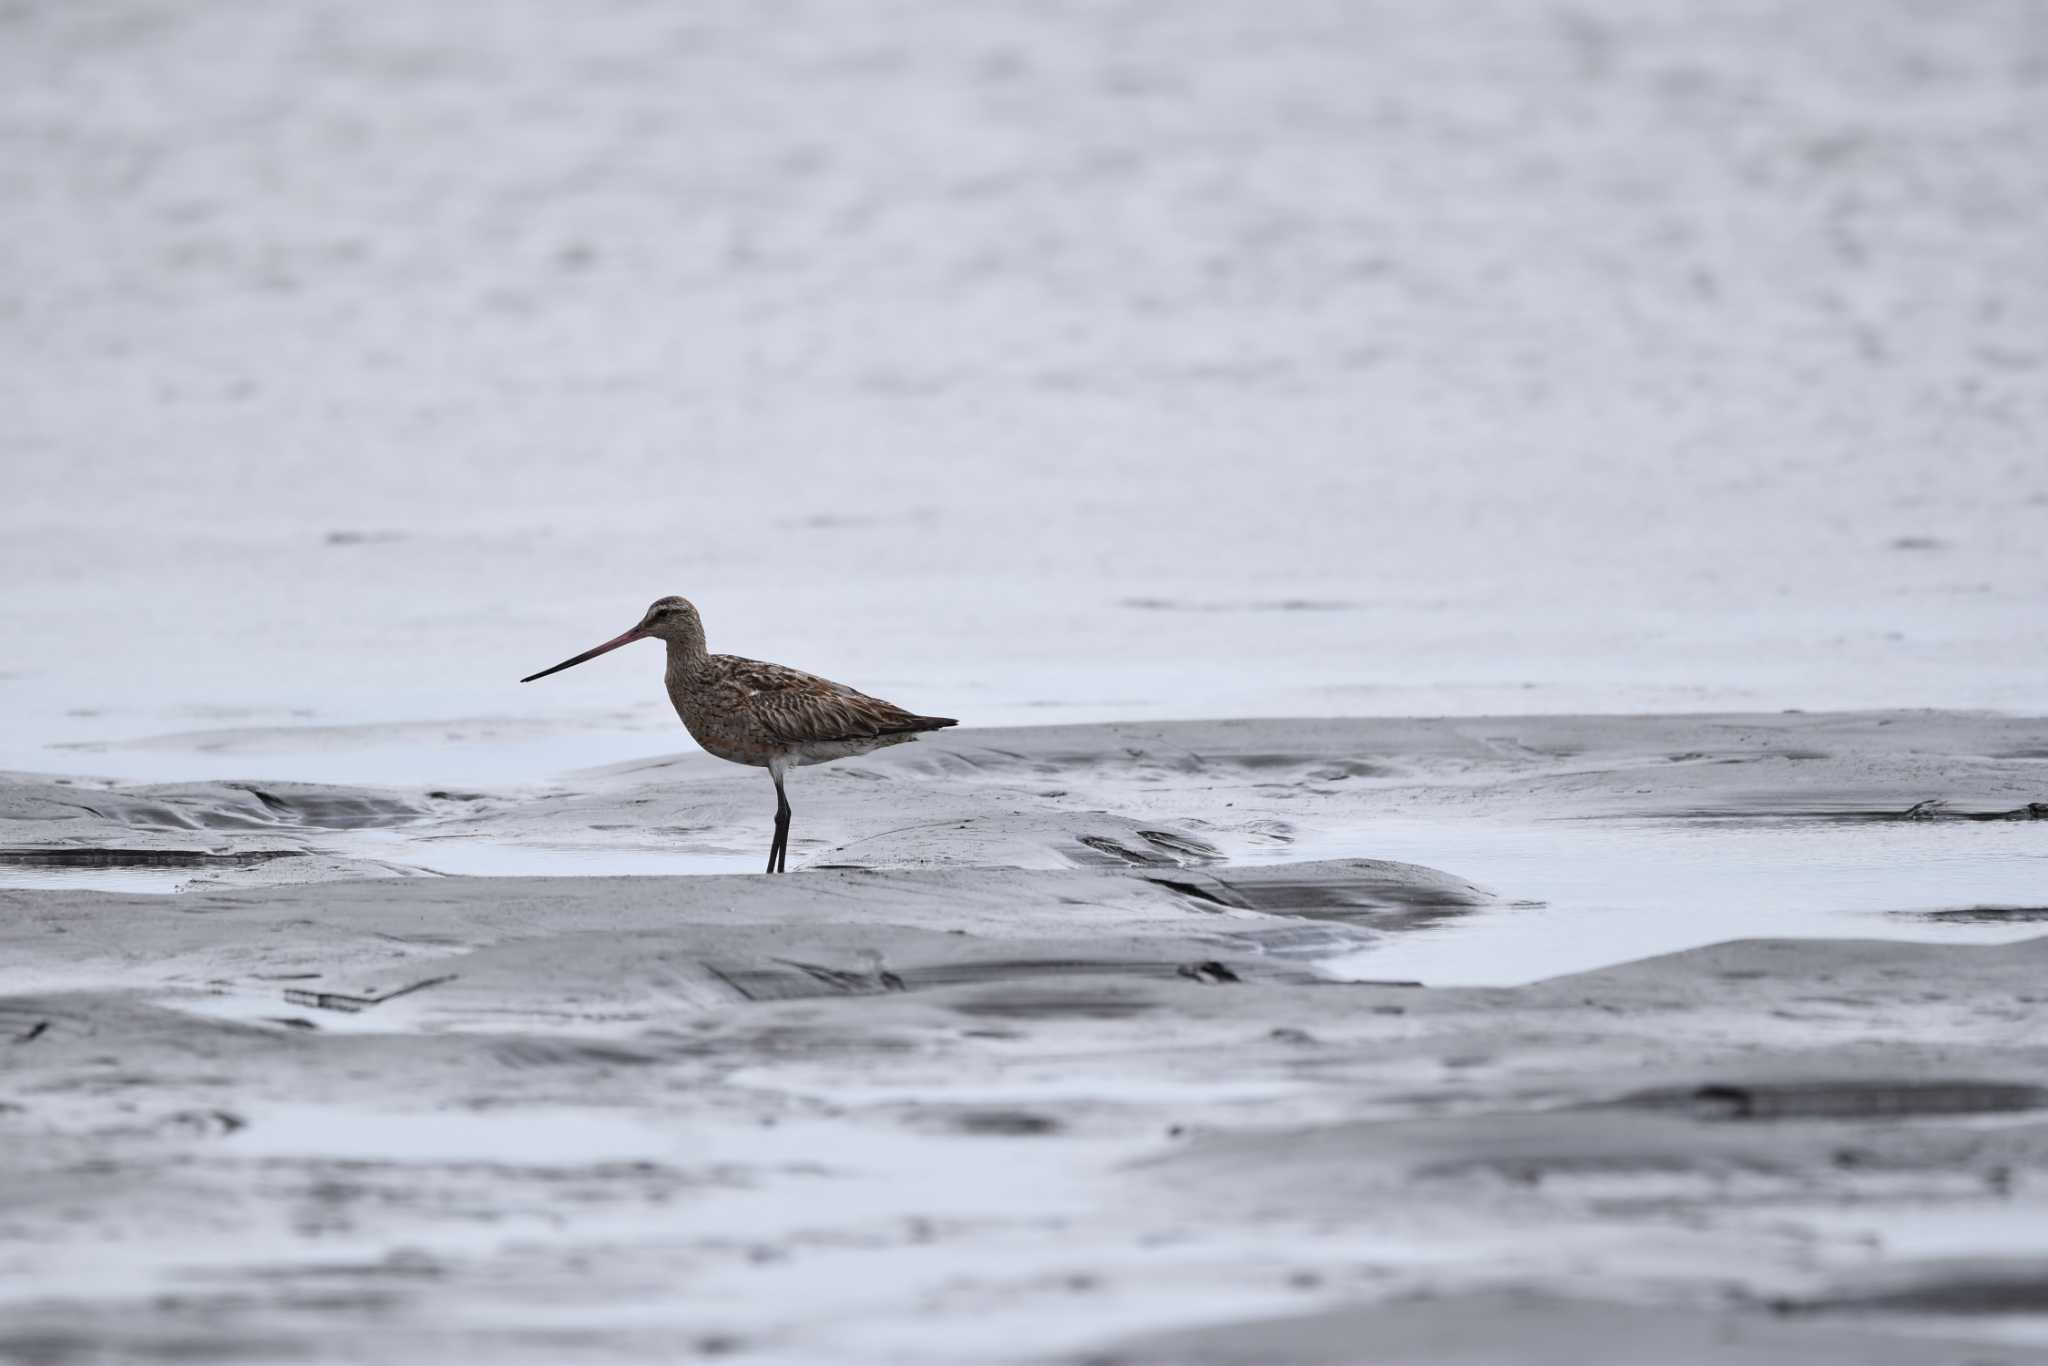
723	732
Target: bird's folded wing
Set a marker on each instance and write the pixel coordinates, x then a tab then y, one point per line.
794	706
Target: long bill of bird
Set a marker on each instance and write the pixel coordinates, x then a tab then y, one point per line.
637	633
666	619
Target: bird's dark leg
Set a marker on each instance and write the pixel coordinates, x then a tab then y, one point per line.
778	850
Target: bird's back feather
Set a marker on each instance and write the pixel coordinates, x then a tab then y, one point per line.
798	708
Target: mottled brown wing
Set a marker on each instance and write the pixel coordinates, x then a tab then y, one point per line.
797	707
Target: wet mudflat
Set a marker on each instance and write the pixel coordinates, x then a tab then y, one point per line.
1025	362
1560	843
1220	1041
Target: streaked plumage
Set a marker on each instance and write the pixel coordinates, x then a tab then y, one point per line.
767	715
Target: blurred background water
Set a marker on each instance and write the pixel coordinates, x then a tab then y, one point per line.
1024	362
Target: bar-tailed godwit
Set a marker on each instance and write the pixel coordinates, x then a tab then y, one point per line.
767	715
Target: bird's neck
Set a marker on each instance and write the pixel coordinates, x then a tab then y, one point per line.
687	656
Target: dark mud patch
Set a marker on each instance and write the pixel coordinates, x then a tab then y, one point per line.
1491	1327
1005	1123
33	1019
1183	849
250	806
211	806
1193	891
1937	810
1111	853
1156	849
1849	1099
199	1124
1343	770
1696	756
1258	761
140	858
1931	811
1980	915
1387	895
1966	1289
789	980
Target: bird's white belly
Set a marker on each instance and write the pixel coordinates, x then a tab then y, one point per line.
824	751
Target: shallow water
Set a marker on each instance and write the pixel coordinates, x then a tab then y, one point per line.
152	881
463	755
1611	894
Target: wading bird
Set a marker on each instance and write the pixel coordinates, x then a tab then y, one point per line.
767	715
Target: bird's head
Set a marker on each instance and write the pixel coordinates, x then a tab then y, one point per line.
671	619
